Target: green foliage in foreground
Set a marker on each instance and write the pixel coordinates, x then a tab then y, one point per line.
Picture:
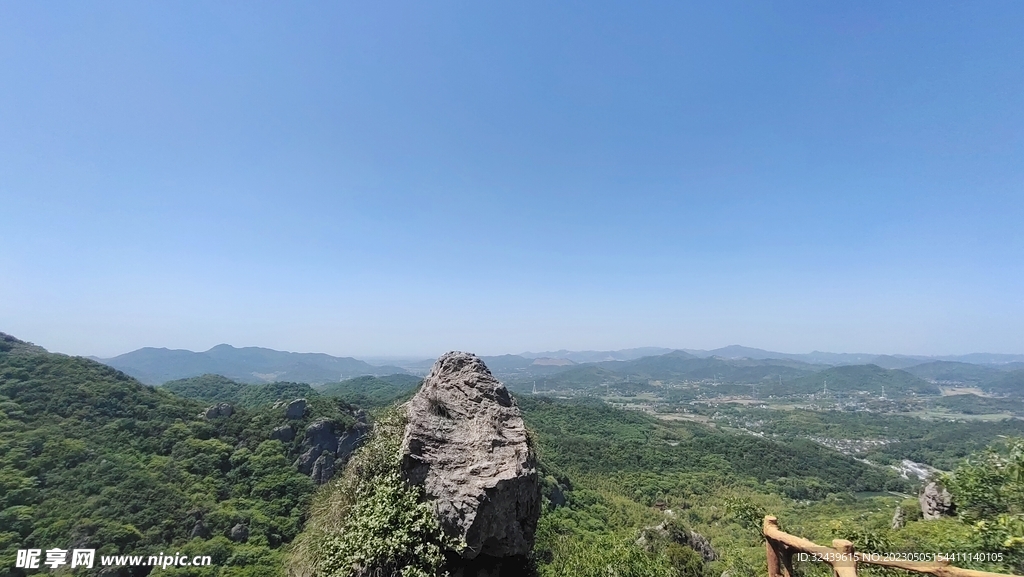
369	521
989	492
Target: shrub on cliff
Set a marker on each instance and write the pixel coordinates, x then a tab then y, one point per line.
370	522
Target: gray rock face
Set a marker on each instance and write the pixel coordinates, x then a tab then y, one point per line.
284	433
239	533
350	440
199	530
700	544
323	469
295	409
898	518
671	531
322	436
935	503
219	410
466	444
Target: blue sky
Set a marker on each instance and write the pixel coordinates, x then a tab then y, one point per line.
407	178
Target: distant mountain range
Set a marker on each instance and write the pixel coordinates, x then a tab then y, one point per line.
246	365
733	363
598	356
884	361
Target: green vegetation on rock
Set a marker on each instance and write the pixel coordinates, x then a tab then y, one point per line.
370	521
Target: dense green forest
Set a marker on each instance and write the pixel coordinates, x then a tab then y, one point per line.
373	391
218	389
91	458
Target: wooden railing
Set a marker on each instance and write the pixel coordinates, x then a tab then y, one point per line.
781	547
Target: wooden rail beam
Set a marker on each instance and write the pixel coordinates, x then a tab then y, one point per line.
780	547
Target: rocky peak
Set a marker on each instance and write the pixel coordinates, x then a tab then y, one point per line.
465	443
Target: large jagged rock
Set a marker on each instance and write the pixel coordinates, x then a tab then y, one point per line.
935	503
466	445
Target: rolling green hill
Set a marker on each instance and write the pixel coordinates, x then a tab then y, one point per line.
677	366
852	378
965	373
218	389
1011	383
588	437
247	365
373	391
206	388
91	458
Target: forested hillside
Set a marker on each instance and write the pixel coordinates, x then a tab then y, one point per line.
218	389
247	364
91	458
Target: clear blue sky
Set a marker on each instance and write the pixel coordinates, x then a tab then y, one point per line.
380	178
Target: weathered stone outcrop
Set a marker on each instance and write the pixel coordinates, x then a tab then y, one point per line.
671	531
218	410
320	437
323	469
284	433
466	445
239	533
935	503
323	440
296	409
199	530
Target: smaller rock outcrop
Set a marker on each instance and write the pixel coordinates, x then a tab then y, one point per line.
284	433
323	438
239	533
320	437
323	469
701	545
899	519
296	409
199	530
672	531
218	410
935	502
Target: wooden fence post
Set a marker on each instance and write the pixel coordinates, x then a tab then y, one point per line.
847	567
769	547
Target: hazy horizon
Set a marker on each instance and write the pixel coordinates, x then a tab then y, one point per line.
426	356
407	178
